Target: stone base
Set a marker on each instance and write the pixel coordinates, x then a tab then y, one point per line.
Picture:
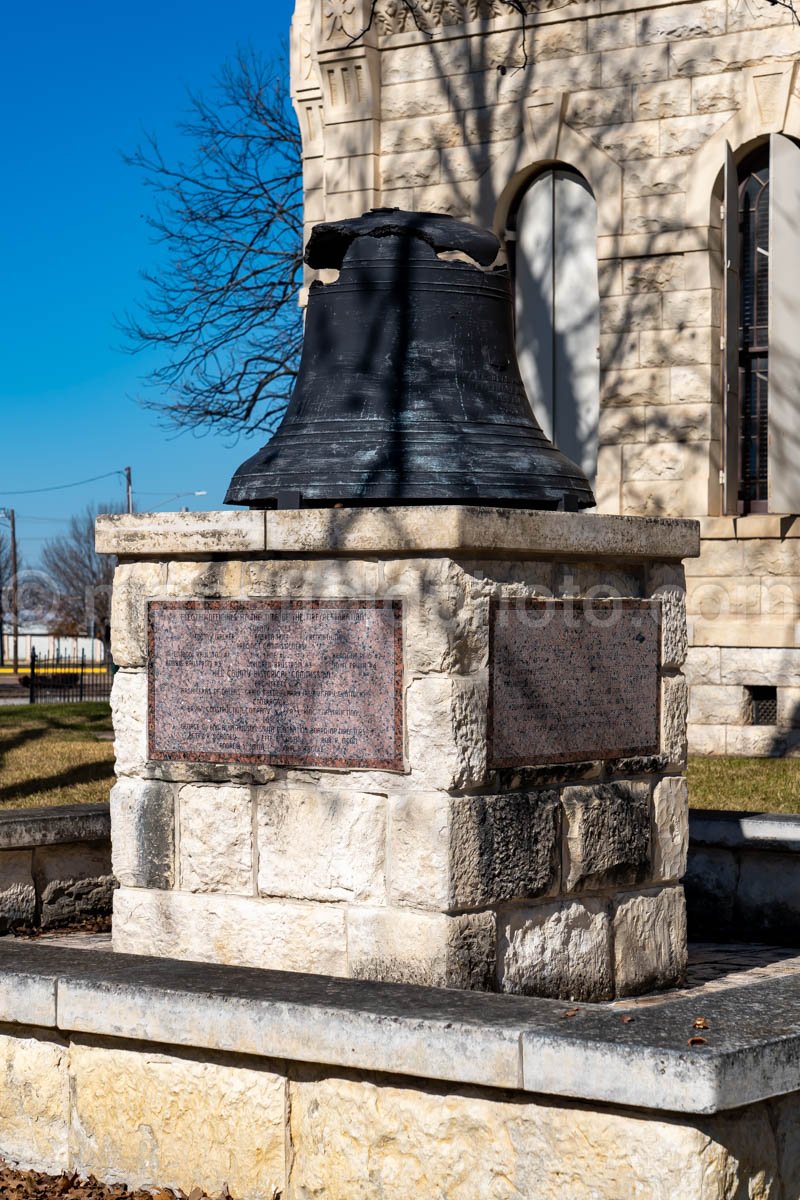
111	1064
557	880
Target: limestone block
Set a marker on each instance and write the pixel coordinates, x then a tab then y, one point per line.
560	41
707	739
446	729
618	313
129	713
448	852
757	741
667	460
609	479
685	135
430	949
133	584
620	426
789	706
609	277
606	835
649	940
216	839
683	422
621	349
674	706
437	130
717	704
659	273
442	198
682	22
670	98
321	845
17	892
664	498
632	388
675	347
137	1118
407	63
637	64
673	626
360	1138
772	557
561	950
160	535
73	881
413	169
239	930
636	139
702	665
761	665
34	1102
612	31
143	833
654	214
694	383
445	616
462	163
707	56
718	93
413	98
654	177
670	842
597	580
599	107
205	580
718	558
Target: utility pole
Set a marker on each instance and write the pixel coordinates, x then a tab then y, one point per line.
11	517
128	489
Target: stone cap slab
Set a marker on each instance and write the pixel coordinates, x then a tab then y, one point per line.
22	828
751	1050
439	529
735	830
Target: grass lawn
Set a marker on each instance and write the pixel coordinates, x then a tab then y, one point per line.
51	754
755	784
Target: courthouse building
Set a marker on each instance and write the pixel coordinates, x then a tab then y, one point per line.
640	161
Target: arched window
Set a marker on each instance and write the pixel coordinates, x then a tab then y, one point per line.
760	328
753	179
553	251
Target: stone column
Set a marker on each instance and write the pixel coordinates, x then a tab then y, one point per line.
475	862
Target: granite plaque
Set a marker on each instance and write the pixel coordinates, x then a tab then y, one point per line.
292	683
572	680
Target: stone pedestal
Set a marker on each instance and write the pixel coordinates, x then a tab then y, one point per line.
463	867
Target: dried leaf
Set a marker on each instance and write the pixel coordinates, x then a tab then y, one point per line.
697	1041
570	1012
626	1020
699	1023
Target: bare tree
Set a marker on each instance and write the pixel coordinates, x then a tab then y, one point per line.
5	580
80	578
223	303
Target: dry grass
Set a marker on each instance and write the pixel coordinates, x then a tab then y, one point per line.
51	754
750	784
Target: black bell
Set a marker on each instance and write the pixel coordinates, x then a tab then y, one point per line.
408	390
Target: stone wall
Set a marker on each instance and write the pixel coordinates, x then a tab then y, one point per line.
561	881
638	96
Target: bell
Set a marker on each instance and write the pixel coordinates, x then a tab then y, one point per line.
408	390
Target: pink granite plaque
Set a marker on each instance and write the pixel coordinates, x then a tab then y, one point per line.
292	683
573	680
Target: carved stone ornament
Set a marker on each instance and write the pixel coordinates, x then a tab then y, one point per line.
340	17
405	16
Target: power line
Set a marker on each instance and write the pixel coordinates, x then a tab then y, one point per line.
59	487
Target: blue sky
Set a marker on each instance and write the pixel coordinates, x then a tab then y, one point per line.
78	84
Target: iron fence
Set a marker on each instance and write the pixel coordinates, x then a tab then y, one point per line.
68	679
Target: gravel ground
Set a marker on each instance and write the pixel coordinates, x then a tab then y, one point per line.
34	1185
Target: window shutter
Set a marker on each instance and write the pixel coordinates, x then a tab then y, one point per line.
730	330
784	326
576	405
534	297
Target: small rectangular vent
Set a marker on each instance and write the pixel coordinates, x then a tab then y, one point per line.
763	705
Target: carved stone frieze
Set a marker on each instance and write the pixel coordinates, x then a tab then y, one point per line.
404	16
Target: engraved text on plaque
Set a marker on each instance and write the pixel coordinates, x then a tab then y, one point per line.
573	680
293	683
